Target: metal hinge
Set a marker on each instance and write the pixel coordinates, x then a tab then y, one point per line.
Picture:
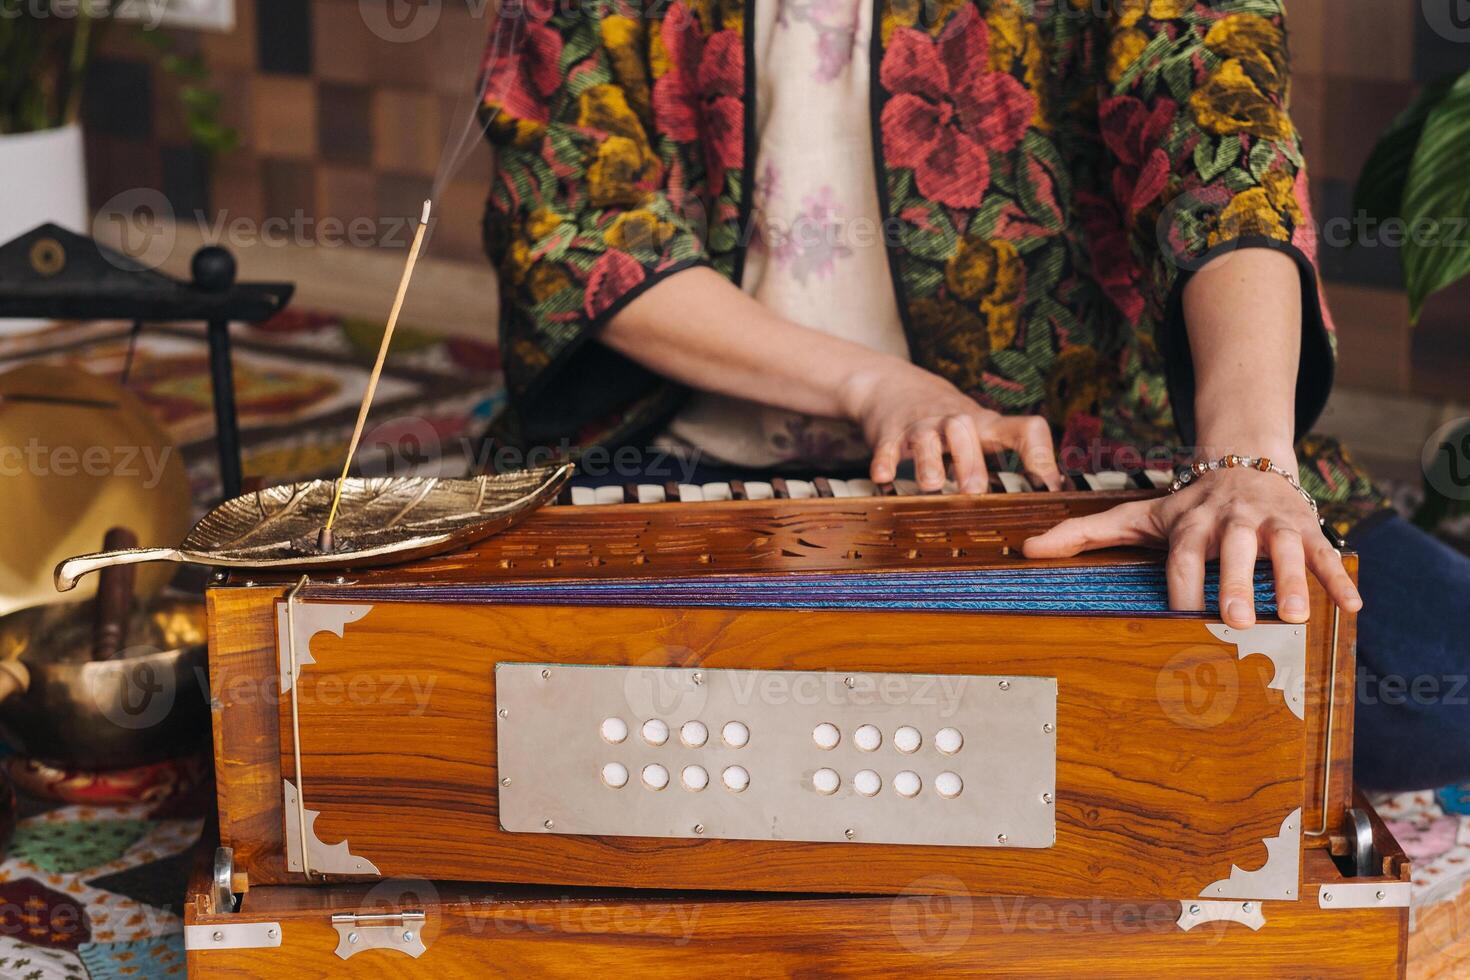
402	931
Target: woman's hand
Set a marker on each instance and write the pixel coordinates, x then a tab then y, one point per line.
907	412
1233	514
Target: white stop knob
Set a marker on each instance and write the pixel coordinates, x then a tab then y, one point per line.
655	776
826	781
867	782
655	732
615	774
907	784
735	778
694	778
694	734
614	730
735	734
826	736
949	740
868	738
949	785
907	739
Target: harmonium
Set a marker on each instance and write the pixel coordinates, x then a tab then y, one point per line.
785	728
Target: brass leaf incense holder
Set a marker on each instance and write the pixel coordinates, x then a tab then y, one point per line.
348	523
382	521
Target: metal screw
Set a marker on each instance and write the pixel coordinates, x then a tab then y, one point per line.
219	576
1326	896
503	712
1000	838
1245	906
505	780
849	833
408	937
699	828
849	682
549	823
1046	797
1194	910
1005	685
698	679
340	580
1380	894
352	938
1048	728
218	936
545	674
250	583
273	933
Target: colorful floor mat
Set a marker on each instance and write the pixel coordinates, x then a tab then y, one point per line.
94	892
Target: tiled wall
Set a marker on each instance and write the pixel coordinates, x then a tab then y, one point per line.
335	121
338	121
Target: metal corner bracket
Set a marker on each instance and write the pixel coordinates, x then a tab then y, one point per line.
1277	878
301	839
1285	645
1198	912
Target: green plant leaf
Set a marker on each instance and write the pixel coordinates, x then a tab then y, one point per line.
1437	194
1380	188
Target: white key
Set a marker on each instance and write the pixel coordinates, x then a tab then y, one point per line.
840	488
800	489
906	488
759	491
609	495
1161	479
950	488
690	493
716	491
582	496
1106	482
861	488
1014	482
649	493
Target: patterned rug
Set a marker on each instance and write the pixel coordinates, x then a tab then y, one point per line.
298	378
91	891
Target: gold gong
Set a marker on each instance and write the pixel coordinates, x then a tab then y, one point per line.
79	454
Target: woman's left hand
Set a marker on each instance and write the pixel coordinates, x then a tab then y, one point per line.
1235	515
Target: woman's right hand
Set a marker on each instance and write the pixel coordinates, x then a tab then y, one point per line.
908	413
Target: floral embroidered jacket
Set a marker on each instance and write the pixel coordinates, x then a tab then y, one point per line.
1050	171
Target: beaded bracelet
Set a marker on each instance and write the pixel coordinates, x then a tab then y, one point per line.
1200	467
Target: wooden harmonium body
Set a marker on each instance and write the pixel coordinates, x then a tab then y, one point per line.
821	695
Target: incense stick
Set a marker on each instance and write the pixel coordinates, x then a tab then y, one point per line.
324	541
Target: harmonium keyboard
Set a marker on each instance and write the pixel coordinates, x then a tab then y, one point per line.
855	730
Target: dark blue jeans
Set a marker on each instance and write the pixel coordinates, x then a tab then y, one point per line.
1413	710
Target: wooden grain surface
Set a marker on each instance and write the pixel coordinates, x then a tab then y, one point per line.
1157	791
774	537
476	932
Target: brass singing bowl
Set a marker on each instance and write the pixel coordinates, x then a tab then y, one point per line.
149	704
381	521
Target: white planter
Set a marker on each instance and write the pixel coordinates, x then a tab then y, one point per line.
44	179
